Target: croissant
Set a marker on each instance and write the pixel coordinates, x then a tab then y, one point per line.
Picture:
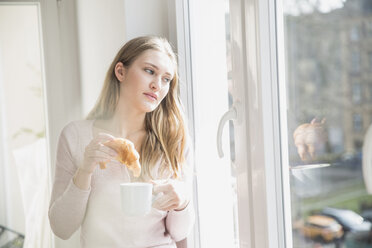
127	154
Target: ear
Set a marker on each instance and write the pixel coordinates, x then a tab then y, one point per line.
120	71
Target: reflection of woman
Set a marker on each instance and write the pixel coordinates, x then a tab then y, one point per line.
139	102
310	139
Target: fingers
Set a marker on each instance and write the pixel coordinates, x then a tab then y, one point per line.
102	148
96	146
105	136
165	188
173	194
101	138
99	154
165	203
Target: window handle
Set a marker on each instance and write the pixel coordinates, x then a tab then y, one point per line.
231	114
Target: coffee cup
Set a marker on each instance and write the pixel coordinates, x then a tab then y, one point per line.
136	198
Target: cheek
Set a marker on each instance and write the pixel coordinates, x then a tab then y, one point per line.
164	92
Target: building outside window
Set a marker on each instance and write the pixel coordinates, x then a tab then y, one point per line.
355	61
369	28
357	93
357	122
354	33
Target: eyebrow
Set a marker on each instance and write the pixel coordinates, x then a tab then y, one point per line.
157	68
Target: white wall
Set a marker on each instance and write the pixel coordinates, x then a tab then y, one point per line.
104	27
101	33
146	17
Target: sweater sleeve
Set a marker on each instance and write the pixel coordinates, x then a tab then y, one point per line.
68	202
180	223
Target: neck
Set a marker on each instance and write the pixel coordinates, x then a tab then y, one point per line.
126	122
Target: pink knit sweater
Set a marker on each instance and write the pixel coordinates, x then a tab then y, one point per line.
97	211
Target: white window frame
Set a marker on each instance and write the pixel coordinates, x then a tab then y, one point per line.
260	37
261	126
180	35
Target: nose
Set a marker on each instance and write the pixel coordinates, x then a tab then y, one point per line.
156	83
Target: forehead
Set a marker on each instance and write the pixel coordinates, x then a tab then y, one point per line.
159	59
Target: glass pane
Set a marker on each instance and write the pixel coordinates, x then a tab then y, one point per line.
328	82
231	129
23	153
216	177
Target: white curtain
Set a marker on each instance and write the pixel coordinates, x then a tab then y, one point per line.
31	162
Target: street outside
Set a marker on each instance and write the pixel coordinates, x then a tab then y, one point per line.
315	189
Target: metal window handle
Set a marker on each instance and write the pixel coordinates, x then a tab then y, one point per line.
231	114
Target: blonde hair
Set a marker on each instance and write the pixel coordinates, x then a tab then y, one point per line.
165	126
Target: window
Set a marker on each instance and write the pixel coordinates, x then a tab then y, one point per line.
354	33
325	128
357	93
217	194
357	122
369	28
355	61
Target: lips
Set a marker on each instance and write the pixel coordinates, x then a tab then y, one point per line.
151	96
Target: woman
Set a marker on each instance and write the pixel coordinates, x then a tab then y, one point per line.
139	101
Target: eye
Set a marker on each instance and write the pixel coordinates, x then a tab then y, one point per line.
167	80
149	71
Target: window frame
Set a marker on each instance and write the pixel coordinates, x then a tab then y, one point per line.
181	37
264	198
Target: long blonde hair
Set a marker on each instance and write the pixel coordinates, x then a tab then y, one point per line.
165	126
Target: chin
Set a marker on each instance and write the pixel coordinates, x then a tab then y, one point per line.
149	107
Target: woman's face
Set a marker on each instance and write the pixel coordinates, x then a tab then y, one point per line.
146	81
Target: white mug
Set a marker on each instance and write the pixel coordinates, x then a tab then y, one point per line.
136	198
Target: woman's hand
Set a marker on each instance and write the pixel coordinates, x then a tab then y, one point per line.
96	152
173	195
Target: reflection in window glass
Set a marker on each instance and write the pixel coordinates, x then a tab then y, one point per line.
326	120
354	33
231	126
357	122
357	93
369	28
355	61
